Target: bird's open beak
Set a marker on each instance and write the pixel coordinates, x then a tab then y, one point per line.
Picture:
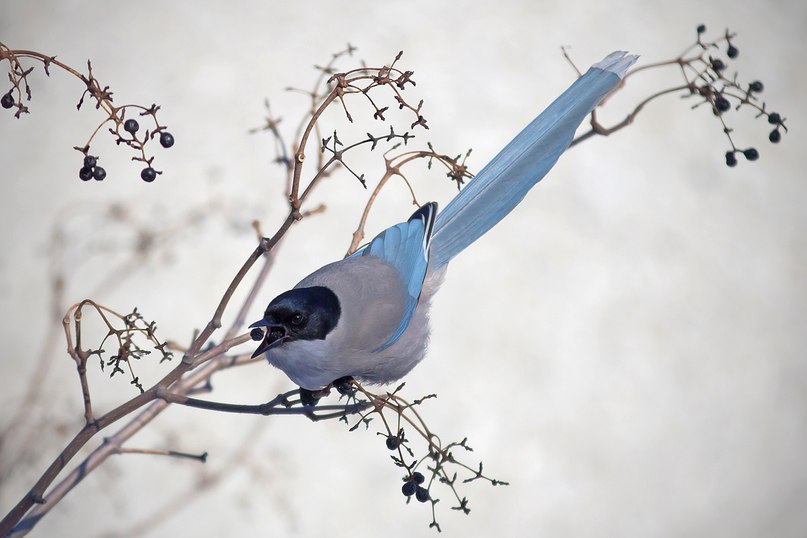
274	334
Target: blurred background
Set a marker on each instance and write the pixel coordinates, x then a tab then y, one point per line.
626	349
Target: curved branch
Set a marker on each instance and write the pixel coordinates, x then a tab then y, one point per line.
598	129
280	405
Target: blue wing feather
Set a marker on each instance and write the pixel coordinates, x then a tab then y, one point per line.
405	246
410	246
504	182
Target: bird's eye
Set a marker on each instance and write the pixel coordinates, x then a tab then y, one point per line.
297	318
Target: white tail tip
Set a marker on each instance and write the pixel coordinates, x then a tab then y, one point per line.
617	62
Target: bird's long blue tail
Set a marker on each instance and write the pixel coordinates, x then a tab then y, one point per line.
504	182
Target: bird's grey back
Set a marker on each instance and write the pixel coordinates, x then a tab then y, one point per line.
372	296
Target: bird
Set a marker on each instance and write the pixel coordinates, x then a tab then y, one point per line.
366	317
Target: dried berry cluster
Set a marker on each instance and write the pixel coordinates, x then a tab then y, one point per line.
337	149
372	85
124	130
707	78
129	333
422	474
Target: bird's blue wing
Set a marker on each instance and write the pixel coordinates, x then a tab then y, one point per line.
504	182
405	246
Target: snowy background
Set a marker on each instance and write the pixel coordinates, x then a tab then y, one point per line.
627	349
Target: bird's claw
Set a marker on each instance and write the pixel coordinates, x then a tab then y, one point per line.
344	386
310	398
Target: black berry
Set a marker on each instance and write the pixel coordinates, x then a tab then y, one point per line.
85	173
7	100
148	174
418	477
756	86
751	154
166	139
731	158
717	64
701	28
732	51
90	161
99	173
393	442
774	118
422	494
409	488
131	126
775	136
722	104
256	334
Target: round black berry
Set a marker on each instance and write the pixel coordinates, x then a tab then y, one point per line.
85	173
751	154
775	136
99	173
731	158
701	28
717	64
256	334
148	174
393	442
166	139
774	118
422	494
131	126
409	488
7	100
418	477
90	161
756	86
722	104
732	51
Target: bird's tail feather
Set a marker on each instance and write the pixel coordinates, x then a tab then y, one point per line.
504	182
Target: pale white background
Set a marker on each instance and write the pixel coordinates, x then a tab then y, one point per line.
626	349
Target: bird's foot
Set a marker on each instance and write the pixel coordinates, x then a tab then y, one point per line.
344	386
310	398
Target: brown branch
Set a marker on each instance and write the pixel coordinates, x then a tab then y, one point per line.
280	405
599	129
358	235
191	360
158	452
393	168
37	492
202	483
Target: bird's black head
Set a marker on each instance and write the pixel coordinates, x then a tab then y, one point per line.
299	314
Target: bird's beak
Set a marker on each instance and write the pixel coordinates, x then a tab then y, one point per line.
261	323
274	334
